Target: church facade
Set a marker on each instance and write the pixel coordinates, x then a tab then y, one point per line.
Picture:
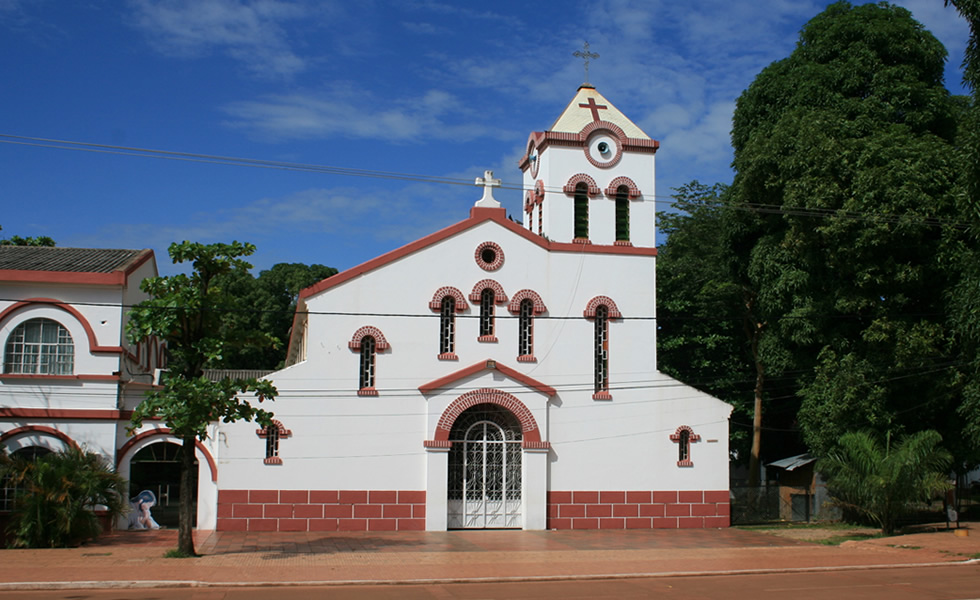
493	374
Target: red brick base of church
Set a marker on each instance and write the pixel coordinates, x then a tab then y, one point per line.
638	510
321	510
404	510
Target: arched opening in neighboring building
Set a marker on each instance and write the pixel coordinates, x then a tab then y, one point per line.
485	469
156	467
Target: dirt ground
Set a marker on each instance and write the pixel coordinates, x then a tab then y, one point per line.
838	532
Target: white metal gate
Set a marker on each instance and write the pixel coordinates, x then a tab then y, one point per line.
485	470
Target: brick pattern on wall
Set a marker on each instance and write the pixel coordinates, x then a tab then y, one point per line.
321	510
638	509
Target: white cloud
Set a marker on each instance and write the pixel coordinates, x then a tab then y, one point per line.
349	111
250	31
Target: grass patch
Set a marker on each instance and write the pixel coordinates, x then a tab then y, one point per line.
835	526
837	540
177	553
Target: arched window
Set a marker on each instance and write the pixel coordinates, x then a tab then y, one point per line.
582	210
684	436
39	347
447	328
601	351
487	299
368	348
622	214
525	331
9	489
684	446
272	434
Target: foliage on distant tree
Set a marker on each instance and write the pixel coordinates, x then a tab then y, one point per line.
883	481
17	240
56	496
700	330
271	300
195	316
846	185
964	305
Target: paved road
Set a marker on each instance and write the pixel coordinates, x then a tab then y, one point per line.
957	582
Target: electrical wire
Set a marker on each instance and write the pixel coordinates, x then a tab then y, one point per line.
821	213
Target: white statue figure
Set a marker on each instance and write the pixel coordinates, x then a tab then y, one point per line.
140	517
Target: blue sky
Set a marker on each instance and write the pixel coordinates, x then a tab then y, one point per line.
432	88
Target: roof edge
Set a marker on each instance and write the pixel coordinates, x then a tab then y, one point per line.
486	365
477	216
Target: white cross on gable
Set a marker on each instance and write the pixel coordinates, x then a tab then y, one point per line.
488	183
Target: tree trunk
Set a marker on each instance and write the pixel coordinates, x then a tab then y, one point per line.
756	427
185	529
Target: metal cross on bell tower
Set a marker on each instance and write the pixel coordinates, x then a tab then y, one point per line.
587	56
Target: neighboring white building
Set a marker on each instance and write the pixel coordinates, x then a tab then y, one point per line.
493	375
489	375
69	375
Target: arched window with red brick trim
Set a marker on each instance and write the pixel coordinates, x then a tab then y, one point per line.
368	341
368	349
272	435
581	211
684	437
601	353
447	328
525	331
622	214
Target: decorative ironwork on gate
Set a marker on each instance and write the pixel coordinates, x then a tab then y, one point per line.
485	469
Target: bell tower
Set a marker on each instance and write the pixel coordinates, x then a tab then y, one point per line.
589	179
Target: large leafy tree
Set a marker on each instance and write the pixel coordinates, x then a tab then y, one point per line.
271	298
194	315
845	185
964	305
883	481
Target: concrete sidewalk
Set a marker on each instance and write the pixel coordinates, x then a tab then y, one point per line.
135	559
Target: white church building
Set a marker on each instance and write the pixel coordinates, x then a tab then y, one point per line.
489	375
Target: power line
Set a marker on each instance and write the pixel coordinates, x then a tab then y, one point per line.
134	151
435	315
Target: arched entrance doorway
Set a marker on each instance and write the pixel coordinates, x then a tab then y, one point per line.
484	487
156	467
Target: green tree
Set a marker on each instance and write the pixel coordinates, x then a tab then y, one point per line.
17	240
964	305
846	191
271	298
194	315
56	496
700	336
883	481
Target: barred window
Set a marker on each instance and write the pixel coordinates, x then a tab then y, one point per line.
622	214
41	347
525	333
8	489
601	349
271	442
487	297
684	446
367	362
581	210
447	326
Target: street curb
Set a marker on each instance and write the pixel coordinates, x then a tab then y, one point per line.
150	584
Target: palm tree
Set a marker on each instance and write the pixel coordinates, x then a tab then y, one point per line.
56	497
882	481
